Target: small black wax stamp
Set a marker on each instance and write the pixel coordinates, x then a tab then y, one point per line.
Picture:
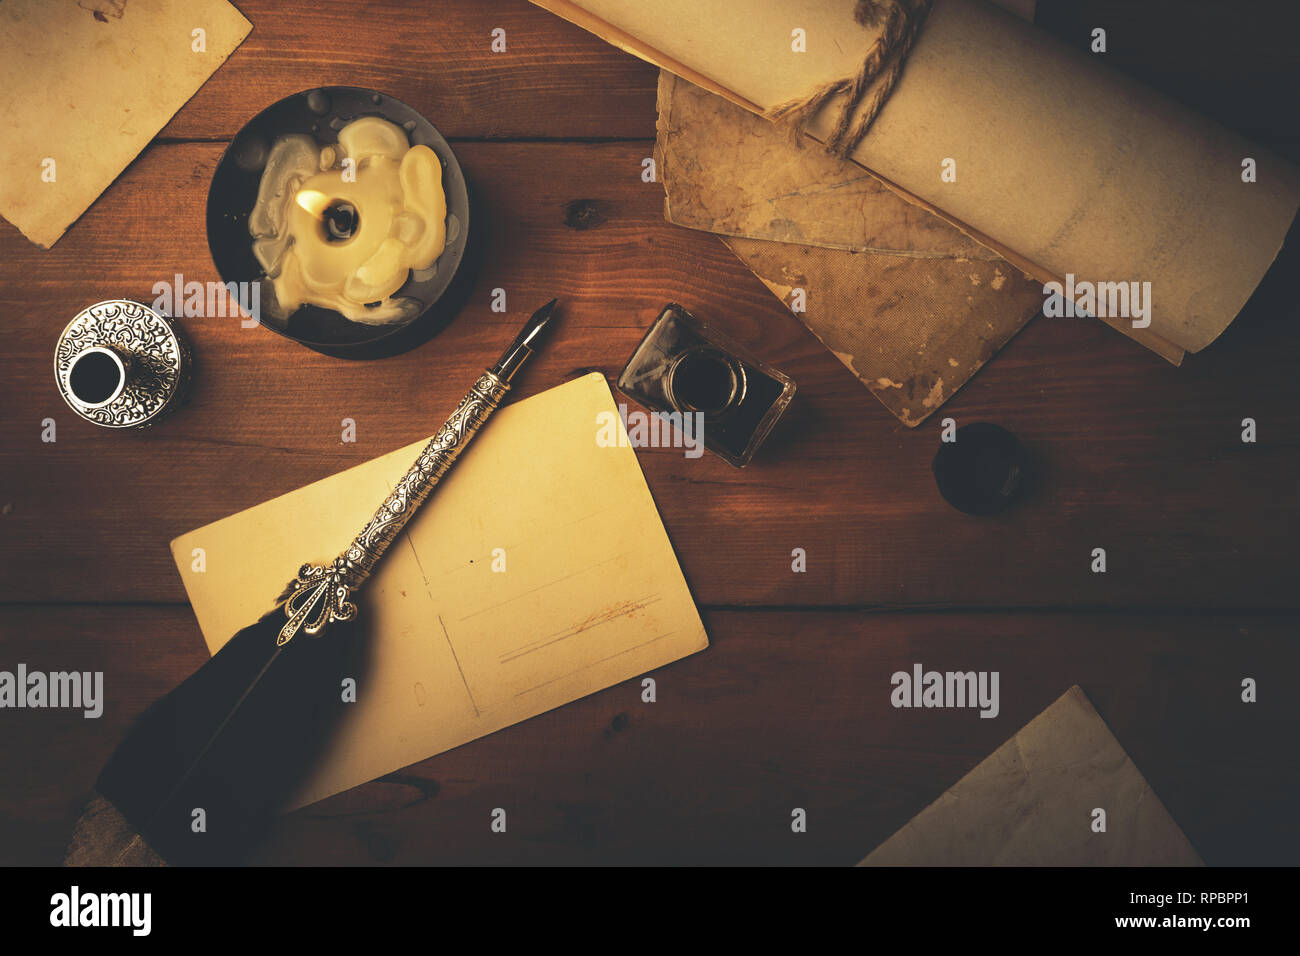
684	368
982	471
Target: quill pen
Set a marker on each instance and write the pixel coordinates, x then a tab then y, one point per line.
204	770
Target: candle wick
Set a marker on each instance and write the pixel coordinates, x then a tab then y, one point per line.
340	221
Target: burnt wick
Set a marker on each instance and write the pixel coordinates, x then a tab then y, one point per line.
340	221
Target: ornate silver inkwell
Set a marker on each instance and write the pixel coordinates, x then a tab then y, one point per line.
121	364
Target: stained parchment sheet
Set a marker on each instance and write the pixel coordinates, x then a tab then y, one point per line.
85	85
1033	802
907	302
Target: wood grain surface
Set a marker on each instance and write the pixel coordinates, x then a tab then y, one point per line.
784	710
789	706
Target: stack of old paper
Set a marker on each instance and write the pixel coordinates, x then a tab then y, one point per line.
1058	164
910	304
539	572
1036	800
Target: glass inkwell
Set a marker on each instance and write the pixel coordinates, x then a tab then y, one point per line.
684	367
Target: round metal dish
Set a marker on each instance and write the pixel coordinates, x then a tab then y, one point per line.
321	113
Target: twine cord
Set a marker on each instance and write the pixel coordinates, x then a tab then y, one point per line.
901	21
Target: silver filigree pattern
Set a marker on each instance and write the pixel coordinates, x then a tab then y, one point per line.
159	361
320	595
417	484
320	599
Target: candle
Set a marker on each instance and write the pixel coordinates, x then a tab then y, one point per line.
342	227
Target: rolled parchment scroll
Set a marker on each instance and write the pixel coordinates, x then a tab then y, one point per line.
1062	165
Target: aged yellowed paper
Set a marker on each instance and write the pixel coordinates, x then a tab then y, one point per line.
907	302
85	85
1033	802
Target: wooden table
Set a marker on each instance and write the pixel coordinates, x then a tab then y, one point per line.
790	705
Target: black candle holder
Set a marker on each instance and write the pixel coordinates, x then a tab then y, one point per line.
321	113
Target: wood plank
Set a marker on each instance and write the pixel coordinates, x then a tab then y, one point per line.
1132	455
554	81
786	709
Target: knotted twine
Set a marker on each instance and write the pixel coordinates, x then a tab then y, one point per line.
884	61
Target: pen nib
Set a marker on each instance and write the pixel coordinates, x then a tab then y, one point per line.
524	342
536	323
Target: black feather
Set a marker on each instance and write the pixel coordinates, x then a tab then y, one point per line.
235	739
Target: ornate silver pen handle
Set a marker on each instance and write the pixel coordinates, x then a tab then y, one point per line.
434	462
321	593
